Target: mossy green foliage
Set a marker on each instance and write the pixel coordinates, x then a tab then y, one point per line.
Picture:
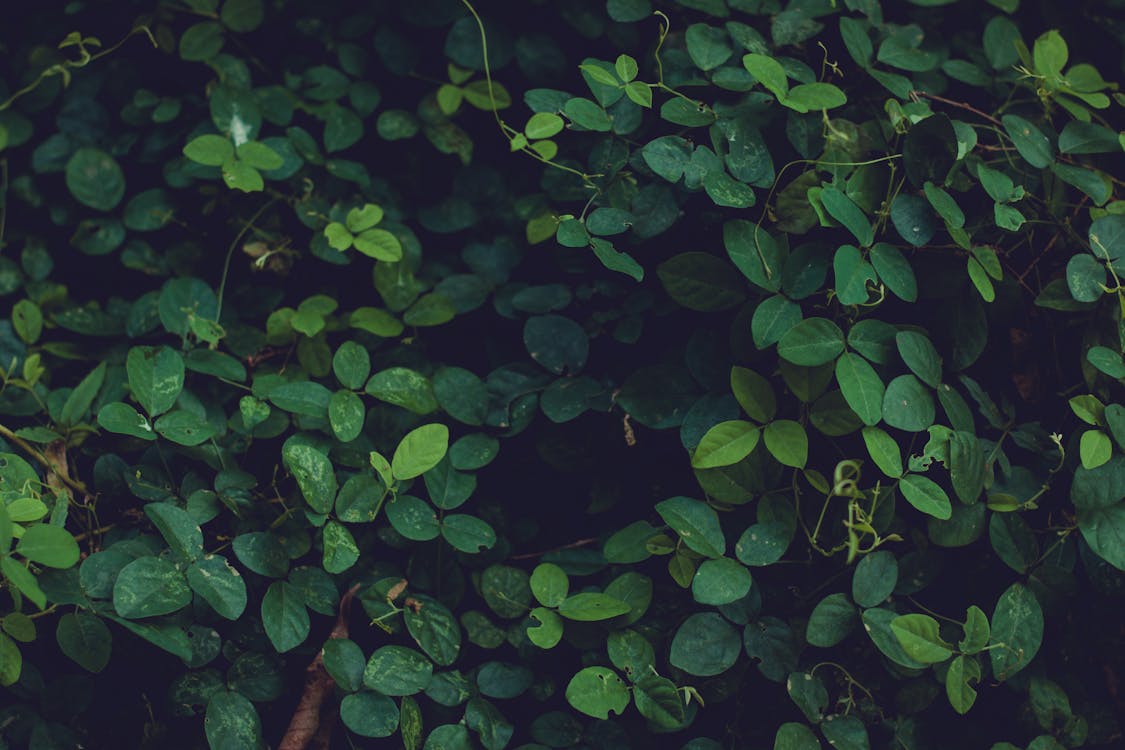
696	374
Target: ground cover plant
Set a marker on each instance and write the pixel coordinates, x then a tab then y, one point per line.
602	374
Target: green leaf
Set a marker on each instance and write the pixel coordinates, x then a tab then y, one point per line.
378	244
927	496
369	714
920	356
832	620
754	394
170	638
724	444
284	616
434	629
362	218
773	318
874	578
963	670
95	179
708	47
587	114
338	236
1087	138
232	722
700	281
1017	631
861	386
259	155
413	518
720	581
467	533
845	211
149	586
945	205
977	630
548	632
659	701
79	401
557	343
967	470
1029	140
85	640
1049	55
894	271
846	732
808	692
397	670
763	543
217	582
23	579
543	125
342	129
812	342
11	661
549	584
794	736
48	545
261	552
705	645
614	260
667	156
1085	277
921	639
340	550
807	97
852	274
239	175
314	474
640	93
345	414
696	523
913	219
345	662
419	451
242	15
877	624
178	528
184	428
156	377
787	442
592	607
769	73
27	319
596	692
756	253
908	404
403	387
1103	527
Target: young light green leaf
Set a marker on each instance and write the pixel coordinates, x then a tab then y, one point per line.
419	451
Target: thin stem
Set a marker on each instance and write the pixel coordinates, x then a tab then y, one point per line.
572	545
505	129
30	450
959	105
94	532
230	254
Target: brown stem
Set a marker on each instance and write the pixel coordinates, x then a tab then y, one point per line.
60	472
959	105
572	545
94	532
306	727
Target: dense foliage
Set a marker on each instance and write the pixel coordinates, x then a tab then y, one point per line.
596	374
